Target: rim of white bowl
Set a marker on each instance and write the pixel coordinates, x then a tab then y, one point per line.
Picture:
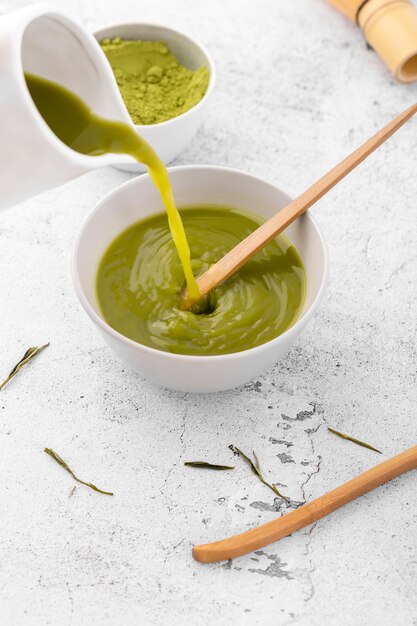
97	319
203	49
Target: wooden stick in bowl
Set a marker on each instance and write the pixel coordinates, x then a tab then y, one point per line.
307	514
246	249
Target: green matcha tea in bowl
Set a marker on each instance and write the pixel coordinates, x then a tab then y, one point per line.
166	79
129	279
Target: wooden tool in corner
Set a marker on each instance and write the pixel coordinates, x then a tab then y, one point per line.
246	249
308	513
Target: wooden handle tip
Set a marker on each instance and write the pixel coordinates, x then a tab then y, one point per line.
205	553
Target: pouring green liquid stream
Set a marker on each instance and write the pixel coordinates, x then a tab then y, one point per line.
69	117
141	275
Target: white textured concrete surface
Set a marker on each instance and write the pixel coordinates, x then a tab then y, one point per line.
297	90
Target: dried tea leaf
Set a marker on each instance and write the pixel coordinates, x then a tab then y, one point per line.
71	493
29	354
357	441
205	465
63	464
257	471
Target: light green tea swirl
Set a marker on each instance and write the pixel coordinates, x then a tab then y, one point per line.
140	279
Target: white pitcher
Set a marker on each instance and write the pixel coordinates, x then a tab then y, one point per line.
43	40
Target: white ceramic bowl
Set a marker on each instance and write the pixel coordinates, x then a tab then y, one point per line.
169	138
193	185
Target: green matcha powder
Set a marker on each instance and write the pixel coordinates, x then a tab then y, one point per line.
154	85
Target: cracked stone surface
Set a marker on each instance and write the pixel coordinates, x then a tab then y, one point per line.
297	90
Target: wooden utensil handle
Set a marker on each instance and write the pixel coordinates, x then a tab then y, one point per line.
246	249
308	513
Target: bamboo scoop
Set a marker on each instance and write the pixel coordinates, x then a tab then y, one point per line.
308	513
247	248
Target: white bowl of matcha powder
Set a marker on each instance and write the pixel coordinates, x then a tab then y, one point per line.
165	78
